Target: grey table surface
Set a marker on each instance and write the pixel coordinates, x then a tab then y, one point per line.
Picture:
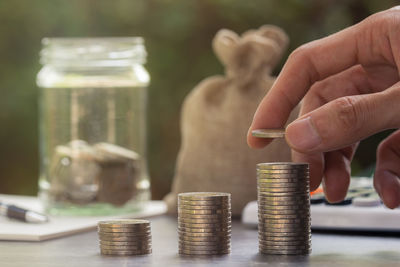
82	250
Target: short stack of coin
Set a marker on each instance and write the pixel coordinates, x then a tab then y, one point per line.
284	208
204	223
125	237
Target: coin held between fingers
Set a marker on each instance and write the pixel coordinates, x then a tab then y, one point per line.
269	133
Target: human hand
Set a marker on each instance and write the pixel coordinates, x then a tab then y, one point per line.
349	84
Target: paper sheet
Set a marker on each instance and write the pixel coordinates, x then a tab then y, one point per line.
59	226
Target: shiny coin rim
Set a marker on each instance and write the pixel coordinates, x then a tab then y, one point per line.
121	243
206	230
269	133
199	207
124	247
204	252
203	195
204	225
189	234
123	223
287	173
203	212
203	243
204	221
204	248
205	238
206	216
282	165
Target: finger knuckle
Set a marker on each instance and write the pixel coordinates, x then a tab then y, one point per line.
348	113
301	54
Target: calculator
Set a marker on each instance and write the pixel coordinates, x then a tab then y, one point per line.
361	210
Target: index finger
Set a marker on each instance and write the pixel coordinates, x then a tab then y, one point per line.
308	64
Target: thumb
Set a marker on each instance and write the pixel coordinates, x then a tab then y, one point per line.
345	121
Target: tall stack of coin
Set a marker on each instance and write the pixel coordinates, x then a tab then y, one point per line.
284	208
204	223
125	237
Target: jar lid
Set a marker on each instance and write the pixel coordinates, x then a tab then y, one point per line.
93	52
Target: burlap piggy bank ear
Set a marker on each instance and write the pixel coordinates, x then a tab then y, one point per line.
256	51
275	34
224	45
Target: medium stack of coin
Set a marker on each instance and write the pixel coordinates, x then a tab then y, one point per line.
204	223
284	208
125	237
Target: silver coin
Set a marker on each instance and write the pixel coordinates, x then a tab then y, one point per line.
302	203
211	217
291	207
286	247
206	216
297	186
269	133
205	221
204	243
282	204
271	211
210	202
124	223
198	207
271	229
205	230
287	173
212	238
124	232
282	165
293	197
288	239
203	212
200	223
278	221
279	194
284	239
284	227
282	180
131	235
281	174
285	243
212	207
125	247
226	235
204	225
204	252
124	253
262	233
285	252
285	190
203	196
123	243
281	189
202	248
283	216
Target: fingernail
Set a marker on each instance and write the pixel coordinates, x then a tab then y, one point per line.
301	135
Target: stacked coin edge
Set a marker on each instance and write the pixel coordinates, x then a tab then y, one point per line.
124	237
204	223
284	208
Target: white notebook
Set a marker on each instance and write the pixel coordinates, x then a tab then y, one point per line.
59	226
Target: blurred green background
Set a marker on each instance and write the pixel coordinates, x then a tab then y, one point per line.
178	38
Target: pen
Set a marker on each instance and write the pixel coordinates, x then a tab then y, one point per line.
14	212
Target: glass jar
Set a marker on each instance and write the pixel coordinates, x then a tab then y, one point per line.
93	95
